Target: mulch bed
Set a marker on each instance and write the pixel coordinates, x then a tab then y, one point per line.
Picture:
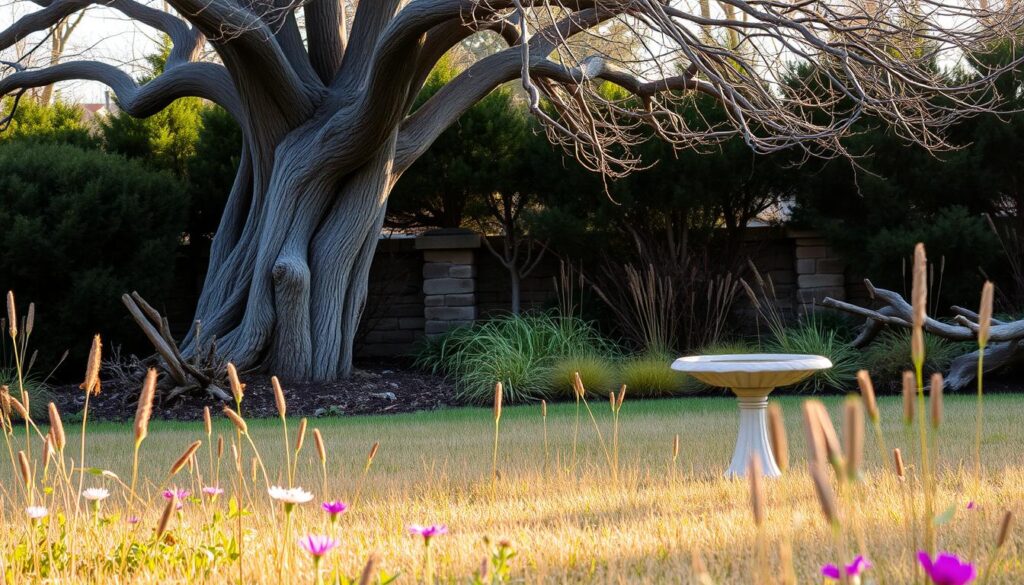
368	391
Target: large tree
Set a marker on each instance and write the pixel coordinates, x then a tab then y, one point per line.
328	125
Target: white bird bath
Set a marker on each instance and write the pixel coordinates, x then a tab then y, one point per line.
752	377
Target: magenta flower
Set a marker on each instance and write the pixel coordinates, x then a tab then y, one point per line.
132	519
971	505
335	509
947	569
317	545
854	569
212	491
177	493
428	532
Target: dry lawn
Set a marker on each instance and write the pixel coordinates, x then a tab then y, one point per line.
567	523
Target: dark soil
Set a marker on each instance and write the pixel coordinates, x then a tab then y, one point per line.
368	391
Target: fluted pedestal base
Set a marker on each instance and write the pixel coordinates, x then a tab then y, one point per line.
753	436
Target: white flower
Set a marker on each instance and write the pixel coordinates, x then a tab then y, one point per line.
95	494
290	495
36	512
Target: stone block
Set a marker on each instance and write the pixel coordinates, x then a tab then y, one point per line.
444	286
460	300
450	313
449	256
805	281
413	323
806	266
462	271
448	241
436	269
433	301
831	266
811	252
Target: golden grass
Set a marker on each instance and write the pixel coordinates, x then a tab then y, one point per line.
566	525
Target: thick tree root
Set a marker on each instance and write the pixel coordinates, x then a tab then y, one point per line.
1007	338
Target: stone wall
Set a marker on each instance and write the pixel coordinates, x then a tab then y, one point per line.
422	286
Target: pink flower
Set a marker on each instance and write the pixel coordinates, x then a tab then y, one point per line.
428	532
947	569
177	493
971	505
317	545
854	569
212	491
335	509
132	519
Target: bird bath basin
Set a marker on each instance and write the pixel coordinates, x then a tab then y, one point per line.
752	377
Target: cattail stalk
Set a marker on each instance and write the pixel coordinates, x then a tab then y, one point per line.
777	436
909	396
867	392
544	422
208	429
920	301
282	409
577	390
165	516
812	428
755	475
498	392
243	431
26	476
853	437
1005	526
597	429
370	570
366	470
675	449
935	400
237	389
12	315
300	441
984	326
833	447
616	402
91	386
57	428
321	453
826	496
183	460
900	468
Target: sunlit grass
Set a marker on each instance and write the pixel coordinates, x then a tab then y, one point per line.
574	525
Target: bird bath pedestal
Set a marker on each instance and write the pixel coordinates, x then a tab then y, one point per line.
752	377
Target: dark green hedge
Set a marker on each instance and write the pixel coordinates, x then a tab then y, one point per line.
77	229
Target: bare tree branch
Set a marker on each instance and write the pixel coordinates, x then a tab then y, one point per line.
204	80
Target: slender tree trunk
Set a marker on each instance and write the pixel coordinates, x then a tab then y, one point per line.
515	288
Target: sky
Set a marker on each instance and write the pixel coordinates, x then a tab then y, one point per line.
104	34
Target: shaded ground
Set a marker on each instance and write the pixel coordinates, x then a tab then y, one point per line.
368	391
